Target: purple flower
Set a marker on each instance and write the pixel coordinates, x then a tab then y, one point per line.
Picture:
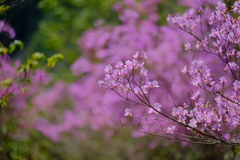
223	79
154	84
101	83
129	65
140	55
221	7
232	66
202	43
5	28
236	85
179	111
143	54
188	46
127	112
108	69
195	95
137	90
236	7
171	130
238	54
193	123
144	72
136	55
184	70
119	65
156	110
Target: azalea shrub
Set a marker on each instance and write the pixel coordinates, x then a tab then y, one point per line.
106	44
18	82
211	114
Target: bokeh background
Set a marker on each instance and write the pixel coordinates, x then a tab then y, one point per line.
69	117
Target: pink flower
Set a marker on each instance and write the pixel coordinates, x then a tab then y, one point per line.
171	130
193	123
119	65
6	28
108	69
140	55
195	95
127	112
233	65
188	46
236	85
144	72
221	7
136	55
236	7
155	84
184	70
223	79
156	109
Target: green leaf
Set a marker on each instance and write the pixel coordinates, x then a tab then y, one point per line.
3	50
16	45
31	63
3	9
53	60
38	56
7	82
3	102
23	68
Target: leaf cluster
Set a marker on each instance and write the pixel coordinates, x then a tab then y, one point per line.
37	61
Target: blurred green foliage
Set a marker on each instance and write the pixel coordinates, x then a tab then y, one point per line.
23	16
3	9
64	22
17	143
96	146
32	147
16	45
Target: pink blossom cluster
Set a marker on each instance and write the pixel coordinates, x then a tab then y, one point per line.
15	90
124	79
213	122
107	44
16	85
210	121
8	72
